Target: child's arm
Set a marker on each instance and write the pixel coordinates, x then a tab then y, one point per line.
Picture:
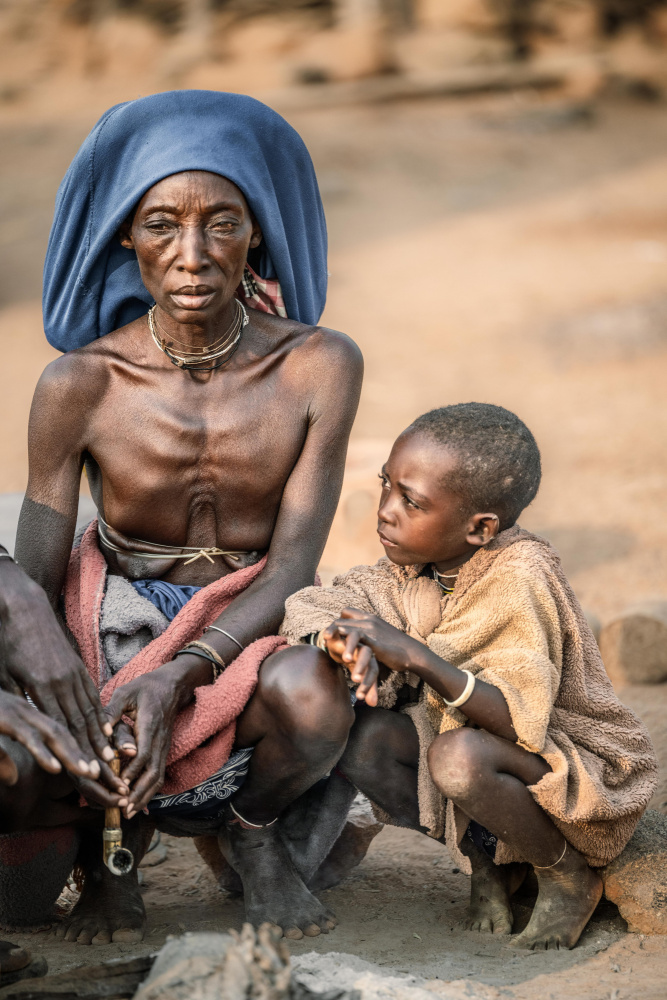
360	640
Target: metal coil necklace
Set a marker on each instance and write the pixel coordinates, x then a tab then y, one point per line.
192	359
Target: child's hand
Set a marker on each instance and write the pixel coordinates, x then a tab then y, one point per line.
356	630
360	662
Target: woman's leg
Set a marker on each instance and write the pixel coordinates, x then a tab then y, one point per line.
43	832
487	777
298	722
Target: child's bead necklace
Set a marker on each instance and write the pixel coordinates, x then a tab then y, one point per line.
438	577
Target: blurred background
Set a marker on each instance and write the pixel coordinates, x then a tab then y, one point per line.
494	174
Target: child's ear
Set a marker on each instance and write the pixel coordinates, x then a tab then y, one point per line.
482	529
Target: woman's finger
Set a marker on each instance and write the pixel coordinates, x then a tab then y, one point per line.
124	740
92	694
122	702
146	729
98	741
62	748
152	780
113	781
75	723
94	792
48	708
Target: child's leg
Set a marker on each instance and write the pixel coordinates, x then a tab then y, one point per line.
490	889
381	760
487	777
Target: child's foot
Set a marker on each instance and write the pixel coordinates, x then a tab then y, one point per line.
490	891
568	895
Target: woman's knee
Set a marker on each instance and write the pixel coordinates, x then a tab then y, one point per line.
457	761
305	690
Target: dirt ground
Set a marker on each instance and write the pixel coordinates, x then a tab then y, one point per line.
509	249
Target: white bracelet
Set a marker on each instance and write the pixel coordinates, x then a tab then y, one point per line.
465	694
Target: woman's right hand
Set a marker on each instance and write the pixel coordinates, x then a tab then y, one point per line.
39	660
36	657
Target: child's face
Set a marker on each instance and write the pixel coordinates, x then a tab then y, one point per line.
419	519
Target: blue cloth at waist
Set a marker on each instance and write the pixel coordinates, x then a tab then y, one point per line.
168	598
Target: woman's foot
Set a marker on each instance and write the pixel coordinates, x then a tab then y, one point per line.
568	895
110	908
273	891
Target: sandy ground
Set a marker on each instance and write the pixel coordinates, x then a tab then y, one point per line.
502	249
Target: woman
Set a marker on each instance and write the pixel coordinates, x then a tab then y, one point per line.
185	272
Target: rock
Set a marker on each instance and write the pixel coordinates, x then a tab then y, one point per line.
634	645
208	966
637	880
246	966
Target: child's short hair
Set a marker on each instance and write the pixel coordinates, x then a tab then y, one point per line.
500	467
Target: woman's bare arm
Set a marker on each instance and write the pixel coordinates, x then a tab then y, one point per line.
56	442
334	366
52	673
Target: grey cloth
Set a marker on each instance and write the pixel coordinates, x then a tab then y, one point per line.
128	622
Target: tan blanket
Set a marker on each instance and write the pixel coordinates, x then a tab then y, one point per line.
513	621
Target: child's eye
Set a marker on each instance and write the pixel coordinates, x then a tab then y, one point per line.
410	503
384	482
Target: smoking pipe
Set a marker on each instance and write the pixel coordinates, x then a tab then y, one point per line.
117	858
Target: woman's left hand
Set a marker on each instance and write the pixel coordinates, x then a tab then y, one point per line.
153	703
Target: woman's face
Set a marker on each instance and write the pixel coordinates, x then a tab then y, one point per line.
191	233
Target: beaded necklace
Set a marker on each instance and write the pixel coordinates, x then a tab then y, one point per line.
446	576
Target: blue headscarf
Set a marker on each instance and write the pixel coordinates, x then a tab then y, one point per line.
92	284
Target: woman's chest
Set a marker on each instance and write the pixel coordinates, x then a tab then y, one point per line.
164	434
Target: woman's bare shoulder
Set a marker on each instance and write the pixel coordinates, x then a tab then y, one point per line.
308	344
91	362
82	375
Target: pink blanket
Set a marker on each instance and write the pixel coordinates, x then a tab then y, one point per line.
204	733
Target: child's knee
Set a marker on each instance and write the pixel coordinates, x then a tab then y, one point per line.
456	761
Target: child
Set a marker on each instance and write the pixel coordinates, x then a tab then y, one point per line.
495	716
